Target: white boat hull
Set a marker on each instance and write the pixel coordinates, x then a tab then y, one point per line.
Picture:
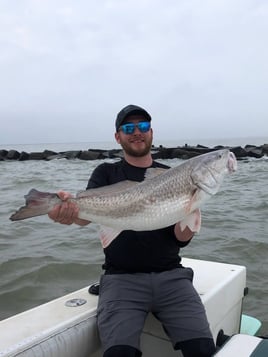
56	330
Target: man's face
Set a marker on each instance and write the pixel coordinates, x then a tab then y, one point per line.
138	143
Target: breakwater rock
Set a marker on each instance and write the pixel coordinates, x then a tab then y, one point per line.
160	152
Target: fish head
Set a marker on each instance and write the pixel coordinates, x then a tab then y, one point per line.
211	168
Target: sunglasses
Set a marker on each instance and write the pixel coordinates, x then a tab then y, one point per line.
129	128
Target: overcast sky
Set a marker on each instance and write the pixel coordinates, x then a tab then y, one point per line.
200	67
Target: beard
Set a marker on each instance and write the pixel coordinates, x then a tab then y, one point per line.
131	150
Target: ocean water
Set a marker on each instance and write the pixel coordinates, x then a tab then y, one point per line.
41	260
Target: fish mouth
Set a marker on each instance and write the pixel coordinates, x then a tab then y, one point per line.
232	162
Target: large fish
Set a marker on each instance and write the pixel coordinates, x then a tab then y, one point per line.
163	198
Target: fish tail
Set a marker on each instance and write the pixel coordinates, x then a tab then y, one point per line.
36	204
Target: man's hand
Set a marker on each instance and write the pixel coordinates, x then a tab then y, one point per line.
185	229
66	212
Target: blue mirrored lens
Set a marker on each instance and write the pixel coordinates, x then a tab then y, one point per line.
144	126
129	128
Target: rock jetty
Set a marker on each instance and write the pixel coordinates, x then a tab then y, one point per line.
160	152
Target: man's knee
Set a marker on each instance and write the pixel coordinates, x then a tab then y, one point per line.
198	347
122	351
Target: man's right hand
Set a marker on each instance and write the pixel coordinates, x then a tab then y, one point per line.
67	211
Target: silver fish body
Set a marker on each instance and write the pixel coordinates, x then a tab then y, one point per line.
159	201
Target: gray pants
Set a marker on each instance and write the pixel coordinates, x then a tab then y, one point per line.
126	299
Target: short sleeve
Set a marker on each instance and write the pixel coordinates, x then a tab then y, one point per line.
98	178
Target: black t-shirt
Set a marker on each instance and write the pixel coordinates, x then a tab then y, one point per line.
136	251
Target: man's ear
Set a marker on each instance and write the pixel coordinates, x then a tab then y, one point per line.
117	137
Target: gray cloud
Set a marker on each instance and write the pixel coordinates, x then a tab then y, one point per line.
68	67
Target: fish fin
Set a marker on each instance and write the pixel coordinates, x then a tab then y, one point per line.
193	221
107	235
37	204
104	190
152	172
195	197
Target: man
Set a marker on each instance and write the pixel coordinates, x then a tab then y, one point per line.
142	269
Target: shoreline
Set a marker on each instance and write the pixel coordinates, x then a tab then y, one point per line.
158	152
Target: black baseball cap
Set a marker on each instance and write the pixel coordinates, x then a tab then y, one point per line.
130	110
